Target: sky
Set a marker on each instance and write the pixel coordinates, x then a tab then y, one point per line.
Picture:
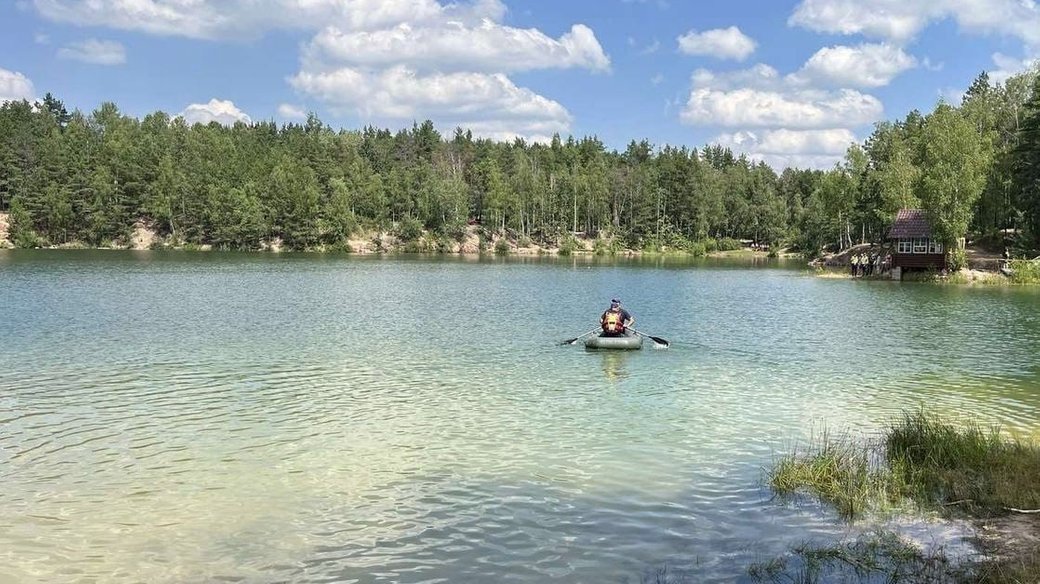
788	82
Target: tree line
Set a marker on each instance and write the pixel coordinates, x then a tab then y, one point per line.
89	178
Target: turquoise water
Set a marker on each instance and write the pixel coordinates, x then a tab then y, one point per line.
305	418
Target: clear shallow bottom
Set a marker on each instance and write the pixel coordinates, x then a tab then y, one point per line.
202	417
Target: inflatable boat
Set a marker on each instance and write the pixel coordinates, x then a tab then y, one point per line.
628	342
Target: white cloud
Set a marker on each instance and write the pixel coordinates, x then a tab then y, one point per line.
651	48
760	98
216	19
866	65
15	87
221	111
901	20
42	39
447	69
490	104
451	45
782	120
1006	67
95	51
657	79
291	112
723	43
786	148
418	55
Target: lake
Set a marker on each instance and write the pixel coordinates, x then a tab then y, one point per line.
200	417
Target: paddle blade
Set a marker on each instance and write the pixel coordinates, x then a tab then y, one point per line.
570	341
660	341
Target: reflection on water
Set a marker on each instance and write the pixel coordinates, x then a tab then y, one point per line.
197	417
614	364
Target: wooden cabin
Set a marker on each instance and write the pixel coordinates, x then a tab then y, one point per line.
913	247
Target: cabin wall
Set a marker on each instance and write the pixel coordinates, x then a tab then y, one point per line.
919	261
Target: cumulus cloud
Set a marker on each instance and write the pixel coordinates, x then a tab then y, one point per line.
1005	67
782	120
723	43
452	45
450	70
866	65
760	98
782	148
489	104
215	19
291	112
95	52
901	20
221	111
15	87
403	48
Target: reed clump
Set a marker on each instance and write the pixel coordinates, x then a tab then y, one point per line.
979	469
924	460
839	470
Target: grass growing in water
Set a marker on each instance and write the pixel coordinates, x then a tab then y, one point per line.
878	557
838	470
942	464
923	458
936	464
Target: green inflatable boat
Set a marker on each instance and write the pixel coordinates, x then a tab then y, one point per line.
628	342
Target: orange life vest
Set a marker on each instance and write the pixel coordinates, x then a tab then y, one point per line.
612	322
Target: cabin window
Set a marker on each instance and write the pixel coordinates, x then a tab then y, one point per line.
935	247
905	246
920	245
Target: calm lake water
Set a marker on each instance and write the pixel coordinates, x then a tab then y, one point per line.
169	417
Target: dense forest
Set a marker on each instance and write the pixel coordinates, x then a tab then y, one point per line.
89	178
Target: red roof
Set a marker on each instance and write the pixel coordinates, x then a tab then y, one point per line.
910	223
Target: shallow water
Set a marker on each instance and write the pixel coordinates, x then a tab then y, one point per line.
268	418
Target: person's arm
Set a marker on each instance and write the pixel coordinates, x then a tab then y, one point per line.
629	319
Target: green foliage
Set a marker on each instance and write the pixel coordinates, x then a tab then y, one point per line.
21	230
502	246
408	229
954	164
568	246
957	259
1025	271
728	244
88	177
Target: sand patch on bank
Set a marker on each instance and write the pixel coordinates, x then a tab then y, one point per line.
5	222
143	236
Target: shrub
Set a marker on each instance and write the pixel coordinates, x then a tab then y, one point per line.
958	259
568	246
1025	271
502	246
729	244
697	249
408	229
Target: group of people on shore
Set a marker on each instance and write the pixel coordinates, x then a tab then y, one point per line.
869	263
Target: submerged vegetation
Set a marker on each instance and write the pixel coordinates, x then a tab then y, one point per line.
92	177
924	461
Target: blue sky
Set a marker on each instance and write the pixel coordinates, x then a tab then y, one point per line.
789	82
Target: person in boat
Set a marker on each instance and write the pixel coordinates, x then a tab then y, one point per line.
615	320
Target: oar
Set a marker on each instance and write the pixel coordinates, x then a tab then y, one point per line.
575	339
657	340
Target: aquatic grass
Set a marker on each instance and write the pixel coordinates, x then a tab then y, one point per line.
954	467
839	470
923	459
977	468
881	556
